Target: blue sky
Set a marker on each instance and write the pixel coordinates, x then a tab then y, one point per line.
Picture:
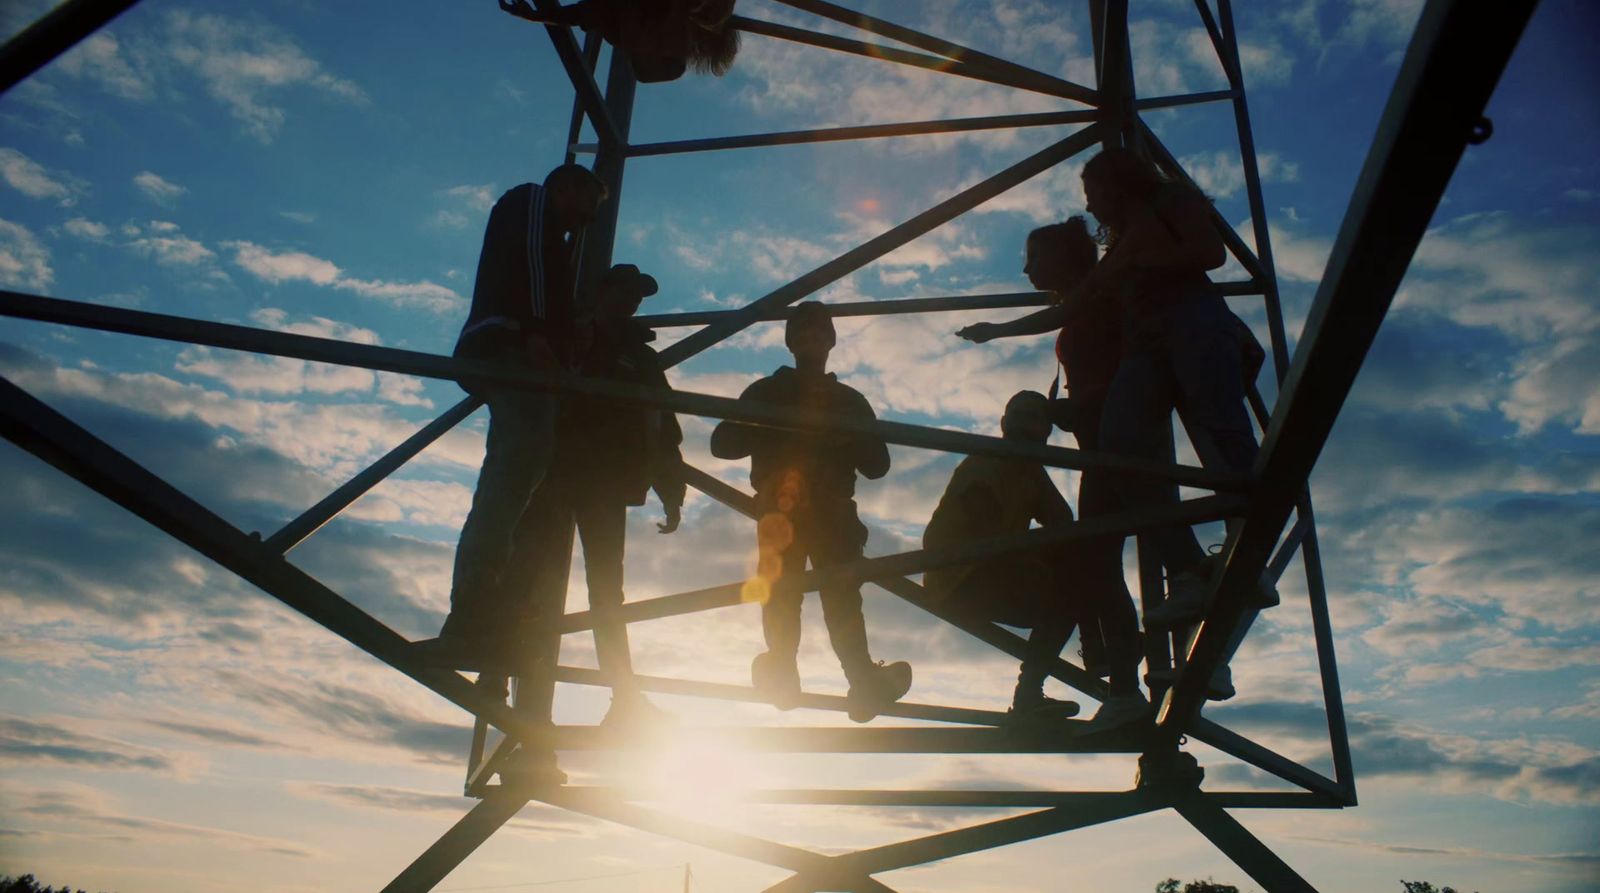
163	726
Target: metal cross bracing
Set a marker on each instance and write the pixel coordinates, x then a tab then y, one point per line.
1455	57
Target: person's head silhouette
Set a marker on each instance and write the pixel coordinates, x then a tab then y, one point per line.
1027	417
1116	181
573	196
621	290
1060	254
809	335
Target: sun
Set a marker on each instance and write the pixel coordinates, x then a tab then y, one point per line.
700	776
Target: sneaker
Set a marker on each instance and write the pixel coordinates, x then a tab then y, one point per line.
533	770
633	712
882	685
1220	688
1266	591
776	679
1115	712
1187	596
1032	705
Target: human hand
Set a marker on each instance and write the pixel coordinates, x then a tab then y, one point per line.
674	518
978	332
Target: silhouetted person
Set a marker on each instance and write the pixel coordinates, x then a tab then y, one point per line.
1089	349
1181	350
805	492
989	496
608	457
663	38
522	317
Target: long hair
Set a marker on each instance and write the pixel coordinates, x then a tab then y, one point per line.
1071	240
713	41
1131	178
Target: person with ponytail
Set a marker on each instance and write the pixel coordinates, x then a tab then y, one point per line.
1088	347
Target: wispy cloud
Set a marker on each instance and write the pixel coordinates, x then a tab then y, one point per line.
463	205
157	188
244	65
34	741
36	181
101	58
298	266
24	260
75	808
86	229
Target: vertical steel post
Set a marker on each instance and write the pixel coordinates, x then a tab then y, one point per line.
1252	184
591	60
1327	664
609	161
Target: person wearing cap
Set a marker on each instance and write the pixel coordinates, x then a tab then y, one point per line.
608	457
805	494
523	317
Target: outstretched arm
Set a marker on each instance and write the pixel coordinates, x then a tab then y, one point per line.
1040	321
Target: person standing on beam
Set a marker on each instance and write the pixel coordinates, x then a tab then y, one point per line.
522	318
608	457
805	486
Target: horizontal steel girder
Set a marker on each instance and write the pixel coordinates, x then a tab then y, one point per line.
410	362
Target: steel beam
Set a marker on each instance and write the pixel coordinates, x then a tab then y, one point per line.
296	531
888	241
1004	832
1010	643
1449	72
56	32
572	59
591	58
34	426
410	362
1263	758
612	808
1007	642
1327	662
890	54
1023	799
610	163
857	132
449	851
725	692
1252	186
1167	102
1002	301
992	634
889	567
1249	853
897	306
1063	736
953	51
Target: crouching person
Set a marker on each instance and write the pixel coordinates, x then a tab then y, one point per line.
989	497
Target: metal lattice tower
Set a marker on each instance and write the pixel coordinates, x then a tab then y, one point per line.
1449	71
